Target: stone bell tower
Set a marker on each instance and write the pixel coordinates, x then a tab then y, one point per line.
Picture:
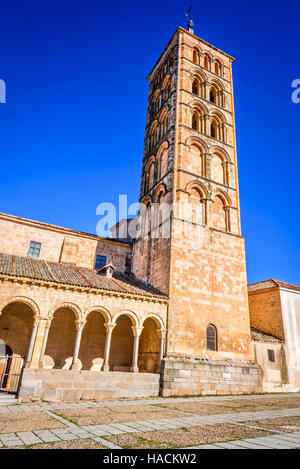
190	164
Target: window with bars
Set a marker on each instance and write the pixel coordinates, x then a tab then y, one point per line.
34	250
100	262
211	338
271	356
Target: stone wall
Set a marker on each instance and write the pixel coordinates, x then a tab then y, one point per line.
73	385
265	312
59	244
184	376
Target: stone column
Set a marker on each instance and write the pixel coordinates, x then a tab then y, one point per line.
109	326
79	327
136	332
45	340
162	337
32	340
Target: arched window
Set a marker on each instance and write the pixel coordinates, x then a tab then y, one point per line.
213	95
196	56
211	338
217	67
195	87
164	121
217	127
198	119
207	62
195	120
213	129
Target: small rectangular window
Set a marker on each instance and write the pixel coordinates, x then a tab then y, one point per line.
34	250
100	262
271	356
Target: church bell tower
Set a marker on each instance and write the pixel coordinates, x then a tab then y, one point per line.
190	165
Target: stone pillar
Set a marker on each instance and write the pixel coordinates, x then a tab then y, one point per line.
45	340
32	340
109	326
136	332
79	327
162	337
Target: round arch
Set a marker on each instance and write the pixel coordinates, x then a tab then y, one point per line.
199	187
21	299
132	316
99	309
76	310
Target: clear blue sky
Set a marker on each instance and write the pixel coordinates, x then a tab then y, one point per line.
72	129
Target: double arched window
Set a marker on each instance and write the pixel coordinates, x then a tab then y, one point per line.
211	338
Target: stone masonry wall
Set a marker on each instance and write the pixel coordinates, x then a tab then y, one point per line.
59	244
183	376
73	385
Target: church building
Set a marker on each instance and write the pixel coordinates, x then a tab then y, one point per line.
163	312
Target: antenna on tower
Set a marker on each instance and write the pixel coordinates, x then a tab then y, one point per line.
191	22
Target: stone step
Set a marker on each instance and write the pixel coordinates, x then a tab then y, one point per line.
7	399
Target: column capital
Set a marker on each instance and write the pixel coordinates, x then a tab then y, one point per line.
162	333
109	326
80	323
137	330
37	320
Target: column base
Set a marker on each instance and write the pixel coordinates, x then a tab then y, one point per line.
75	366
105	367
134	369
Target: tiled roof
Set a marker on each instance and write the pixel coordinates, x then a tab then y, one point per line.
271	284
259	336
68	274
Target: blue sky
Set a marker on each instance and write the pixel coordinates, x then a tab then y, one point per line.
72	129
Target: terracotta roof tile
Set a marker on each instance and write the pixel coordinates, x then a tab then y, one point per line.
69	274
271	284
259	336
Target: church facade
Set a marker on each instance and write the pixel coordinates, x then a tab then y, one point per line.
166	312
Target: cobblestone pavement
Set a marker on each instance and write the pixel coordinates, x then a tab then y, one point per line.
275	439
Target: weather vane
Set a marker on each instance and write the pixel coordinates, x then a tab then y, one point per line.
191	22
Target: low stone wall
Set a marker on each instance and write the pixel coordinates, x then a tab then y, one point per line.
73	385
189	376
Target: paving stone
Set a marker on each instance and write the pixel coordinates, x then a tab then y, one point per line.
29	438
109	429
124	428
229	446
109	444
95	430
80	432
205	447
46	436
64	434
10	439
247	445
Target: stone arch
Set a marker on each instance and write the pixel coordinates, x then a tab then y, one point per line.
62	334
197	141
197	204
220	165
149	345
76	310
99	309
162	159
196	54
199	186
221	151
160	190
92	347
122	340
224	196
133	317
220	218
16	324
156	318
21	299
